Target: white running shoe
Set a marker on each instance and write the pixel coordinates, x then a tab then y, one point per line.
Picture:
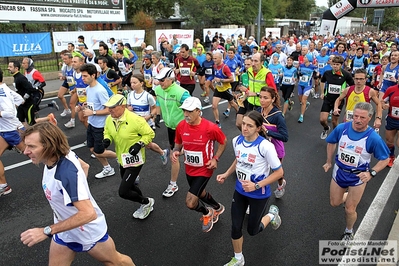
105	173
65	112
70	124
170	190
147	209
280	190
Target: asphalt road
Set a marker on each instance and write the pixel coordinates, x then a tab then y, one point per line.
172	234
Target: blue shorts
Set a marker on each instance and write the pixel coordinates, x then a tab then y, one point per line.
304	90
77	247
210	78
391	123
346	179
11	137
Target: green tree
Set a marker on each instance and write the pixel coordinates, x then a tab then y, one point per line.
391	18
154	8
300	9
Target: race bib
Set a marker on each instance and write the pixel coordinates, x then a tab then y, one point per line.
296	63
304	78
321	65
348	157
287	80
81	92
349	115
208	71
334	89
388	75
371	70
129	160
243	174
378	78
90	106
185	71
147	77
395	112
193	158
172	65
70	80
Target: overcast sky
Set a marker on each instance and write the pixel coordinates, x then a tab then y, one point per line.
321	3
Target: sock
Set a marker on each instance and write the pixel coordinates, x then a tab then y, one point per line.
227	109
73	120
107	167
3	185
271	215
350	231
208	199
238	256
173	183
201	208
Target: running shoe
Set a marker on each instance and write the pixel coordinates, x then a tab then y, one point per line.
218	212
207	221
65	112
147	209
290	104
206	100
203	94
170	190
51	119
324	133
276	222
307	105
105	172
280	190
391	161
300	119
138	212
70	124
164	156
347	236
55	105
236	262
218	123
226	113
5	190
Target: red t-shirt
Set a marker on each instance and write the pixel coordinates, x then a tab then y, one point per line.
198	143
393	94
186	65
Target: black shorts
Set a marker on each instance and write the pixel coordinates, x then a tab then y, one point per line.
65	84
95	138
197	184
171	137
328	105
247	107
227	95
26	113
391	123
286	91
150	91
126	79
189	87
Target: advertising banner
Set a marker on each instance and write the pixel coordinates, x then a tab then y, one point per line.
341	8
24	44
182	36
70	11
274	32
377	3
93	38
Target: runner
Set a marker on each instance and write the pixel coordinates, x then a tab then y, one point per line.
276	128
130	133
352	168
333	82
389	74
196	136
290	77
143	104
306	72
206	76
391	102
255	156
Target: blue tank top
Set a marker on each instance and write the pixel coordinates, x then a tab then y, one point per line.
208	68
386	83
276	70
322	63
288	75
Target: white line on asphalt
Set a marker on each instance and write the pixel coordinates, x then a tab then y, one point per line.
373	214
16	165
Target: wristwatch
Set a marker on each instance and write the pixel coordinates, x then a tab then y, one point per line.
257	186
47	231
373	173
94	112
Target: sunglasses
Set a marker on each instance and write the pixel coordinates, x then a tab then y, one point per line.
161	80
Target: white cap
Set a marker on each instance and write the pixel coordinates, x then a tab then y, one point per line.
191	103
165	72
149	47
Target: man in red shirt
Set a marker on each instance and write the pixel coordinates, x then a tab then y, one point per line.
186	68
197	136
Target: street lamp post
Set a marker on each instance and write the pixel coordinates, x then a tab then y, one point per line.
259	21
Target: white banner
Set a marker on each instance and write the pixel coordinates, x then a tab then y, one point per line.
377	3
327	26
93	38
225	32
274	32
341	8
70	11
183	36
